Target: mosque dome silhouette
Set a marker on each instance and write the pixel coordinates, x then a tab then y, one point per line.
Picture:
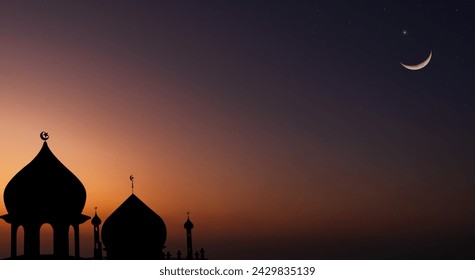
134	231
45	190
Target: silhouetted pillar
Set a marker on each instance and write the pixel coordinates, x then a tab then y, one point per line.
76	240
97	244
14	231
178	255
32	240
61	240
189	245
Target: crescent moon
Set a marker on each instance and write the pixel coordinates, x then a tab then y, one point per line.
44	136
420	65
131	177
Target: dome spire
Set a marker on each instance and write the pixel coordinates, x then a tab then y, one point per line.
132	180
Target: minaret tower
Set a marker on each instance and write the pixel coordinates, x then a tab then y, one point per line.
96	221
189	246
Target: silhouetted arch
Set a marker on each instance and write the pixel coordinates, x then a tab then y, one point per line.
72	240
20	245
46	239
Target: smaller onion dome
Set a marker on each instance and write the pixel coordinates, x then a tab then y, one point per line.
188	224
96	221
134	231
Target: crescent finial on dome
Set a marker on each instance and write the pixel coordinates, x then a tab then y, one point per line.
132	180
44	135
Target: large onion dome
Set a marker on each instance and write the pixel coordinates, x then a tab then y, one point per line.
134	231
45	191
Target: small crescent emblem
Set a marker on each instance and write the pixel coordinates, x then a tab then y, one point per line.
131	178
44	136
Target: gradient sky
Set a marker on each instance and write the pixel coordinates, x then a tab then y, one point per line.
288	130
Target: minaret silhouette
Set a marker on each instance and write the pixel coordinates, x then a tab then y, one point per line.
96	221
189	245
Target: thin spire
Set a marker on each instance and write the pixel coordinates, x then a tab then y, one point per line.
132	180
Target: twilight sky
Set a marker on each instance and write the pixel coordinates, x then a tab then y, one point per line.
289	129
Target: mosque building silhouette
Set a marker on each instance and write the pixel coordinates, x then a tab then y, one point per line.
46	192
